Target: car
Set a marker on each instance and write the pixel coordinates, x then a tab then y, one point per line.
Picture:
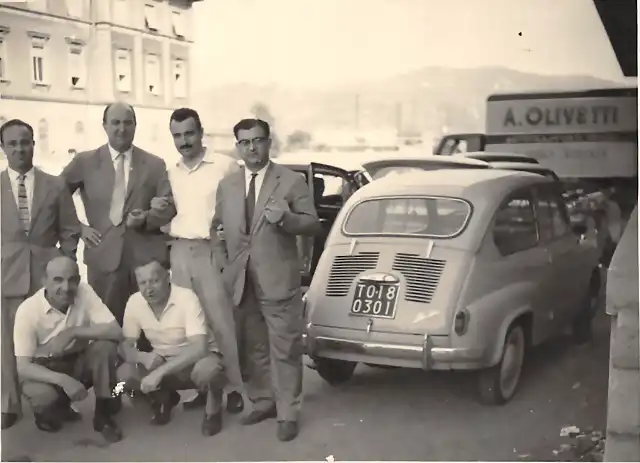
498	157
450	270
525	167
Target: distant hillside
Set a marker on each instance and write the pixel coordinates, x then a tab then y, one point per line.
425	100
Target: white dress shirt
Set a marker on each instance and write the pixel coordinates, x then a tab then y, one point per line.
28	183
259	179
194	193
127	162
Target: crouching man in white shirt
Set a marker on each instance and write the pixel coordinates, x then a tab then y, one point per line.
184	354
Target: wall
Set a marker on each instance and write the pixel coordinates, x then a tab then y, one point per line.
623	416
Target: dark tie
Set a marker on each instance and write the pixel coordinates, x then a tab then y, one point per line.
250	203
23	204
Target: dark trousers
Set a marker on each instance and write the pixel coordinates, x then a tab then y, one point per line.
94	367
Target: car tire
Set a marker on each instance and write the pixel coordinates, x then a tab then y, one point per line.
334	371
581	327
495	387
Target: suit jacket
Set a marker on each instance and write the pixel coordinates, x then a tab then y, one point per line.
269	251
53	221
93	174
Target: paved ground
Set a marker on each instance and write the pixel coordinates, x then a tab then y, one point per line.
380	415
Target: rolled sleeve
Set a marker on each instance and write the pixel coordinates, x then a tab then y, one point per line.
98	312
25	337
195	323
131	328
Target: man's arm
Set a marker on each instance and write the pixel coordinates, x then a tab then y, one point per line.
219	246
302	219
30	371
69	228
157	218
73	174
103	324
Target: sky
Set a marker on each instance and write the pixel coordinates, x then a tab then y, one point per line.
318	43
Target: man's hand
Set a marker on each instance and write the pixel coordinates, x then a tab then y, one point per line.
56	346
136	218
74	389
151	360
160	203
90	236
274	210
151	382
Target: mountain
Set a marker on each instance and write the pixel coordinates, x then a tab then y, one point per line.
431	99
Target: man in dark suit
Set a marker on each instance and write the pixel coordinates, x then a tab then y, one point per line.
37	214
127	198
262	209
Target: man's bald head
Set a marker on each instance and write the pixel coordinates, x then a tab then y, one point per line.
61	281
119	123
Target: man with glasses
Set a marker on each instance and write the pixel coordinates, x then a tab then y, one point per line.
262	209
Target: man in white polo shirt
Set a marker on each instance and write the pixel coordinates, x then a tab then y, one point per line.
194	181
66	340
184	354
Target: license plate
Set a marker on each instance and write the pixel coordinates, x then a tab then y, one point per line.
375	299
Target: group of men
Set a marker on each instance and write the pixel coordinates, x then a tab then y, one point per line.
193	278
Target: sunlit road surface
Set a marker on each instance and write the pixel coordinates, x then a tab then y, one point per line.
380	415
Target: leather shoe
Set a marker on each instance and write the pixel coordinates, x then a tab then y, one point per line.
235	402
256	416
211	424
198	402
287	430
162	409
47	423
107	428
115	405
9	419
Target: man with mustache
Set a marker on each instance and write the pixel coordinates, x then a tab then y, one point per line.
66	341
194	181
37	214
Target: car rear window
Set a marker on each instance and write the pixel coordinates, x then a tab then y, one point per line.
439	217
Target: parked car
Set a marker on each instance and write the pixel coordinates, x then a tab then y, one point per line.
525	167
450	270
498	157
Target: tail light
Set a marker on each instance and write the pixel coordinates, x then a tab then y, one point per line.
461	322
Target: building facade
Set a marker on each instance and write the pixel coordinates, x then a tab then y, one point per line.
62	61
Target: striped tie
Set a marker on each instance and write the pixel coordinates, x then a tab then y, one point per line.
23	203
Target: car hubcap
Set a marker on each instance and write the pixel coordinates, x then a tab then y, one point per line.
511	363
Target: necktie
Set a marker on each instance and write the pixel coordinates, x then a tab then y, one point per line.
119	191
23	203
250	203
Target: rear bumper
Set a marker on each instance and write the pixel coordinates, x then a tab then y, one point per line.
419	352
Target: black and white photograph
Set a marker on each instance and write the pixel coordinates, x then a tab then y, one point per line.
319	230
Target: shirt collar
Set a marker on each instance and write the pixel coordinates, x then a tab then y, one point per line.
208	158
15	175
115	153
170	302
46	307
261	172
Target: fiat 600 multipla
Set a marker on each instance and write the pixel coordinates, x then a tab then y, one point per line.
450	270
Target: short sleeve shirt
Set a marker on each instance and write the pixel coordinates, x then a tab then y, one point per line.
181	319
37	322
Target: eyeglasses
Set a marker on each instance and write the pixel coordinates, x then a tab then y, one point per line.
255	141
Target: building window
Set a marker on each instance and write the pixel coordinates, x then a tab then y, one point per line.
77	68
151	17
179	25
179	78
75	8
153	74
39	61
124	70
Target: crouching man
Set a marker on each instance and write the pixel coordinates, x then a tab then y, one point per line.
183	356
66	341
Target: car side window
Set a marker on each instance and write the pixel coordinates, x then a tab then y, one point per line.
552	214
514	227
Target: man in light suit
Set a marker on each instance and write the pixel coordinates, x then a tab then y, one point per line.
37	214
262	209
127	198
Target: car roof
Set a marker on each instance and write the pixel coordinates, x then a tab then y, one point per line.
524	166
491	156
470	184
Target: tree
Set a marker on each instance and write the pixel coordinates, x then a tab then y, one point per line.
298	140
261	111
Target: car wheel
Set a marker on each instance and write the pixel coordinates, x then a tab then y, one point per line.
498	384
581	328
334	371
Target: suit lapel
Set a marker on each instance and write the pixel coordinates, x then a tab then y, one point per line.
9	206
269	184
105	167
39	195
136	169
